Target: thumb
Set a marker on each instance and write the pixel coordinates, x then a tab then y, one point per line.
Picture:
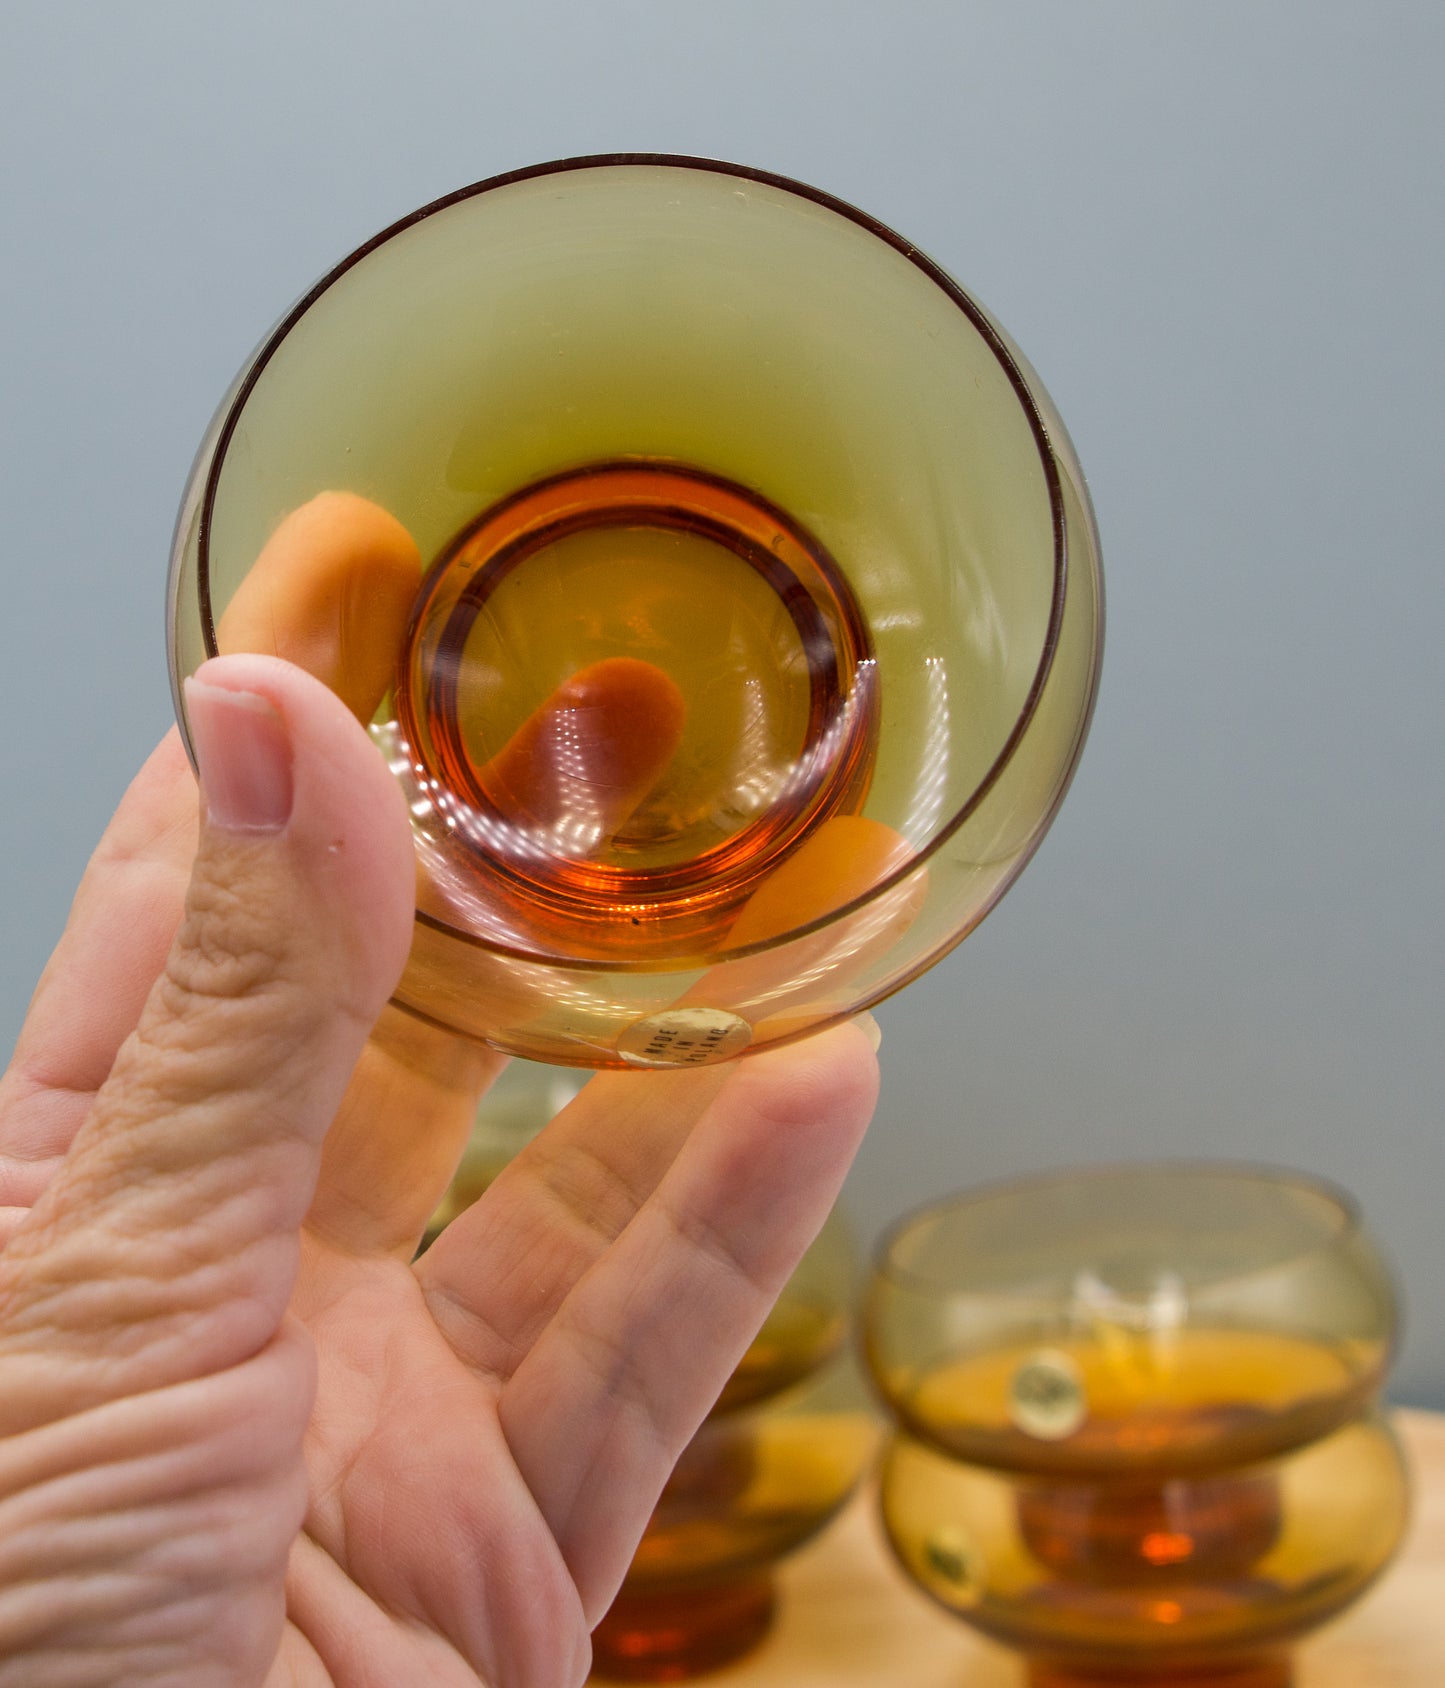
166	1247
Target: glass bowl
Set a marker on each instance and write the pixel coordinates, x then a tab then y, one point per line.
787	1444
715	575
784	1447
1202	1581
1137	1417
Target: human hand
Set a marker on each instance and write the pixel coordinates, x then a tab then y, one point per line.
246	1438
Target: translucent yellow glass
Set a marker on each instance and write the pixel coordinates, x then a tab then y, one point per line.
1138	1433
717	427
785	1446
1199	1582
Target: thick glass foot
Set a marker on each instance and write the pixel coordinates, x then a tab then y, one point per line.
1269	1672
674	1634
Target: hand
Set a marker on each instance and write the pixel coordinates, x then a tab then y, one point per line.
246	1439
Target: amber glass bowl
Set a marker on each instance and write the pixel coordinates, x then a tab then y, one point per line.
1137	1425
754	616
787	1444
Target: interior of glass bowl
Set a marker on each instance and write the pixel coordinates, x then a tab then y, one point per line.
737	329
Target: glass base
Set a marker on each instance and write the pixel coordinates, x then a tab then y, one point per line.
669	1635
1273	1671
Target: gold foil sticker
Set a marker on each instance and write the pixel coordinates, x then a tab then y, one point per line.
684	1037
1046	1398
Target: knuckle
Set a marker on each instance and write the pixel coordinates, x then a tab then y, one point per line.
230	986
230	943
717	1249
242	942
591	1193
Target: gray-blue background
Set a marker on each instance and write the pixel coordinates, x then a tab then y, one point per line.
1217	232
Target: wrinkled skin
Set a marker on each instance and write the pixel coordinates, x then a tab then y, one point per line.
244	1437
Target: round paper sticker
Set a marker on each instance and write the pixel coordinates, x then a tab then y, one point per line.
1046	1398
684	1037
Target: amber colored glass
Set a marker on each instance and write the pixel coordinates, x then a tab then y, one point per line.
1137	1425
787	1443
785	1447
761	613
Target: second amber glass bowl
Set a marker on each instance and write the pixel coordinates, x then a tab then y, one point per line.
760	516
1138	1434
790	1438
784	1447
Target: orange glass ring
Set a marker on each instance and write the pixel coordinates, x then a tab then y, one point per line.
715	575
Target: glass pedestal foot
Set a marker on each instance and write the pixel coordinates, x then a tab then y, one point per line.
1272	1671
673	1634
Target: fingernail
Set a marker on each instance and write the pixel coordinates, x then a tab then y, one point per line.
244	755
870	1029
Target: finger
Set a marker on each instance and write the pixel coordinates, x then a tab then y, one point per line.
332	592
599	1410
845	858
795	986
398	1135
565	782
165	1247
121	923
592	752
499	1272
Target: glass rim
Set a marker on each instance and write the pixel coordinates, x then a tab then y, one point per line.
224	426
1344	1208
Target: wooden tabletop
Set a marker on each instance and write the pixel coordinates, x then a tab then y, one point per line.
849	1619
